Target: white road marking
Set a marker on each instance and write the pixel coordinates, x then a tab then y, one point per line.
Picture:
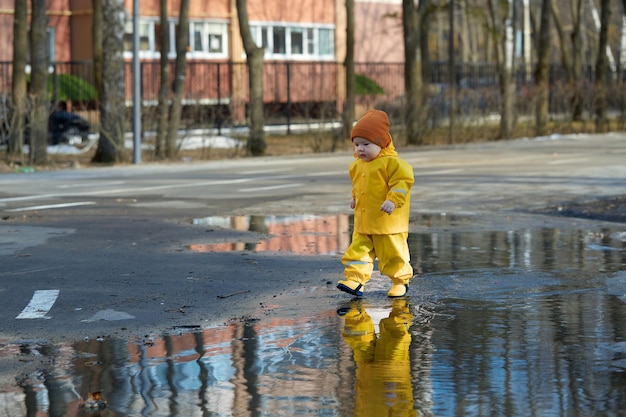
442	172
568	161
324	174
271	187
54	206
39	305
26	271
91	184
28	197
129	190
134	190
265	171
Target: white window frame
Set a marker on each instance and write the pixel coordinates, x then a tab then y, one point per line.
147	29
50	47
144	24
51	40
263	34
207	28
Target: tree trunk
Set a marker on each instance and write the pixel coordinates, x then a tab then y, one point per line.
424	13
18	83
111	147
542	71
413	81
503	31
97	32
180	70
507	120
564	42
40	106
577	94
600	103
163	108
256	143
348	105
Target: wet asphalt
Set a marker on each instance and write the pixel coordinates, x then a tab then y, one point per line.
115	242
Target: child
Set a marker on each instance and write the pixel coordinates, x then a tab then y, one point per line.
381	184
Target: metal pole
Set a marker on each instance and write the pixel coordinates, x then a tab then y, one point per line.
136	87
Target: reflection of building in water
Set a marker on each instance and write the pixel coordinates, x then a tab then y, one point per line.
551	341
274	367
278	367
300	235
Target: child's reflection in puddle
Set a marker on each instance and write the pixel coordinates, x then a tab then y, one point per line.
383	367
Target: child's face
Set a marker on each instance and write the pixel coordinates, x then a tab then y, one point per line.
365	149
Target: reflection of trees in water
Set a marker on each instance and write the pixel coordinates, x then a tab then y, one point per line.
257	224
249	370
550	346
422	361
442	250
551	353
247	399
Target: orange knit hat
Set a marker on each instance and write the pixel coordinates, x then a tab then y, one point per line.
373	126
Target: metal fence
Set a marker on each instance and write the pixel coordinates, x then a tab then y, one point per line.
216	93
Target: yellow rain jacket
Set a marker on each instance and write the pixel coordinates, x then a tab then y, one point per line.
385	178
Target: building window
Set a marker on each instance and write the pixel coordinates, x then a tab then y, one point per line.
294	42
197	37
310	42
148	35
297	41
206	39
279	44
326	42
51	40
50	45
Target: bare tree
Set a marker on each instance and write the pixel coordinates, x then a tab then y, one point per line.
565	44
571	53
40	106
180	69
97	31
256	142
18	83
112	106
577	60
502	28
543	68
600	103
163	108
413	81
348	105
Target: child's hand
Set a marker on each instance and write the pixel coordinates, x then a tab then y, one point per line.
388	206
352	204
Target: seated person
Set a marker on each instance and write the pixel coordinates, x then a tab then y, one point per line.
60	121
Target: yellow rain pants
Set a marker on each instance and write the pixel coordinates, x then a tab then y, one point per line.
391	250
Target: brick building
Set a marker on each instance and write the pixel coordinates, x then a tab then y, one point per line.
304	40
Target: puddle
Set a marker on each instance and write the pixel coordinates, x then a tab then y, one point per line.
528	322
301	235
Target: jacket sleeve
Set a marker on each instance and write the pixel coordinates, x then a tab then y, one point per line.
400	181
351	175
